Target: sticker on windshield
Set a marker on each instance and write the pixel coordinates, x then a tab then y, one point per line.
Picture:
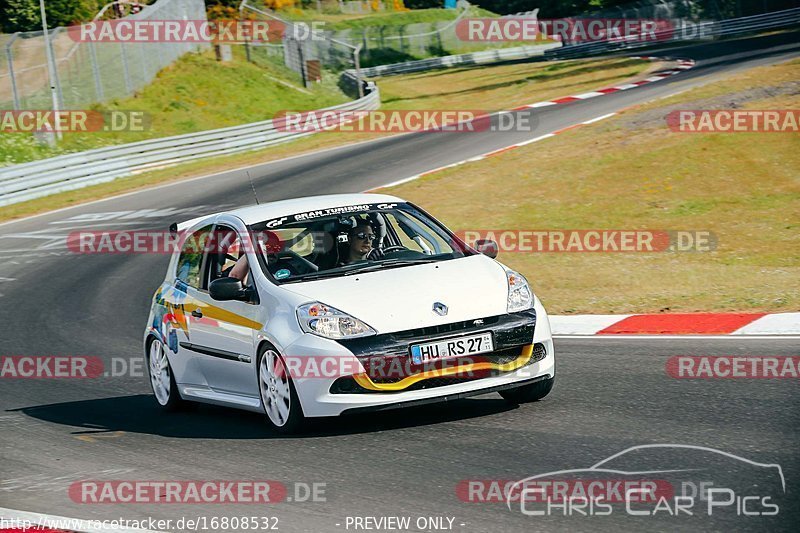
309	215
282	273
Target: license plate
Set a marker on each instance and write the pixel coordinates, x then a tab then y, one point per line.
447	348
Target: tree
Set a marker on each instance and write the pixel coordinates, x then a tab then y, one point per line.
19	15
24	15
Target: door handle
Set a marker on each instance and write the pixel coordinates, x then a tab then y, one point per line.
197	313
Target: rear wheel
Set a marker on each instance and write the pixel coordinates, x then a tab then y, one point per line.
162	380
278	395
529	393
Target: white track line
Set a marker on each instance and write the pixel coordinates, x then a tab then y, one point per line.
688	63
683	64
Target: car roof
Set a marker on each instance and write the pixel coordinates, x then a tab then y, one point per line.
266	211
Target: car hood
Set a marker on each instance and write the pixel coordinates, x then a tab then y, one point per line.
402	298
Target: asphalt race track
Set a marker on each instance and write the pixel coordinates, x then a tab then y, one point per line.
611	394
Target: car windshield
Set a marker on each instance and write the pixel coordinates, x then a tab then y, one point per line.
348	240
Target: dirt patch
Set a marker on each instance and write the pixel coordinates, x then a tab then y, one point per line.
656	118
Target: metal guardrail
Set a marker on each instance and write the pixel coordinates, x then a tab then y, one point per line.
27	181
473	58
704	30
63	173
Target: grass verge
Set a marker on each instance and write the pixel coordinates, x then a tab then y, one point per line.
196	93
344	21
632	172
487	88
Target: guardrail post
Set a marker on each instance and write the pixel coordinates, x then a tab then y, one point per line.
357	62
125	73
302	59
364	40
98	82
11	76
247	33
56	78
143	59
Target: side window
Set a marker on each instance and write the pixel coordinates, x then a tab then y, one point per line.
190	262
297	240
226	252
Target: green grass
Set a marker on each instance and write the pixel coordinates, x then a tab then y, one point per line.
196	93
340	21
632	172
503	86
383	28
487	88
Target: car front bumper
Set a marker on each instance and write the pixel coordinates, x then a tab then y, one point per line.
318	400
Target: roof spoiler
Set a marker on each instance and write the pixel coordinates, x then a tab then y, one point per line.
177	227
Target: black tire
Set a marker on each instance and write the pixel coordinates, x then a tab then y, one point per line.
173	402
529	393
296	421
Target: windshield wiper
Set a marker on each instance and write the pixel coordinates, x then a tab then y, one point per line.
389	263
313	275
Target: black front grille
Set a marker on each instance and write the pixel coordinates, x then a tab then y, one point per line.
454	327
508	331
387	359
347	385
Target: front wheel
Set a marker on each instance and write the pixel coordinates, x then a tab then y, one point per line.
162	380
278	395
529	393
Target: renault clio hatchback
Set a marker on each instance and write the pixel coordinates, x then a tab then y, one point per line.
336	304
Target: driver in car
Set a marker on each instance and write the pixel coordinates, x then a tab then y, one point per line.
360	239
240	270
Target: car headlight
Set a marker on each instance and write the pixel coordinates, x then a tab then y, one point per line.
329	322
520	295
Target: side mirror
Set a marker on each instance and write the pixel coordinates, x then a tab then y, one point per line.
487	247
227	289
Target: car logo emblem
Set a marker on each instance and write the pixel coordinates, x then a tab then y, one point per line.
439	308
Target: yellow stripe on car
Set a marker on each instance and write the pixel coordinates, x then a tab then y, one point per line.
367	383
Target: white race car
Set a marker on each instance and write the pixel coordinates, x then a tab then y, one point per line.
335	304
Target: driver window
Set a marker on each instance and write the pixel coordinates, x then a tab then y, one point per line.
190	262
228	257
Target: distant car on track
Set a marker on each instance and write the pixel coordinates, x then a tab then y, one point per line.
327	305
